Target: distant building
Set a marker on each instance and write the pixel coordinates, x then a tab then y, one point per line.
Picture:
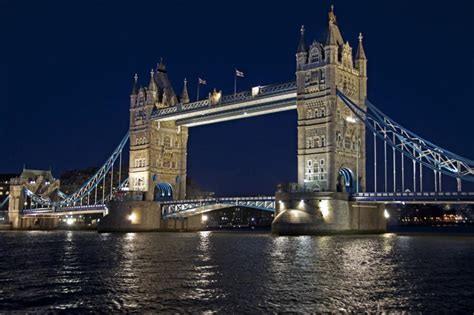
426	214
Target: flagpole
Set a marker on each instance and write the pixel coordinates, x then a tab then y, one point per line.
198	91
235	83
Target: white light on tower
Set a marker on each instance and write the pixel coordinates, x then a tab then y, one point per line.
132	217
204	218
70	221
351	119
386	214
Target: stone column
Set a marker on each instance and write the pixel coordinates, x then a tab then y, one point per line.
15	204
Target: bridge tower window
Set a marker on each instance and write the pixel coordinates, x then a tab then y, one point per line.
323	112
167	141
140	162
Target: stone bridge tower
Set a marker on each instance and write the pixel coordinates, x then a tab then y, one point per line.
157	166
331	140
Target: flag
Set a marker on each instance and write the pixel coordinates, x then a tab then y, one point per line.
201	81
239	73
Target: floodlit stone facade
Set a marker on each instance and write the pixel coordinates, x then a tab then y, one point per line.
331	140
157	168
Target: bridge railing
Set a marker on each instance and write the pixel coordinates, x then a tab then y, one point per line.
261	91
217	199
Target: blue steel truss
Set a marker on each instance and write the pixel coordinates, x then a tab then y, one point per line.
182	208
409	144
4	202
98	176
87	187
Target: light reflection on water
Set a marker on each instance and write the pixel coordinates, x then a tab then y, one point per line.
207	271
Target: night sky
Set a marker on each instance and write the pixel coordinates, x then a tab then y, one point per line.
66	73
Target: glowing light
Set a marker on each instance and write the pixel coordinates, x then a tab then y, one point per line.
70	221
386	214
301	204
255	90
351	119
204	218
132	217
324	207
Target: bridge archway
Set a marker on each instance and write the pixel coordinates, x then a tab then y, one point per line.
163	191
346	180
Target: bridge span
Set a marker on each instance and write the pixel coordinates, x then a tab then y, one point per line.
336	124
260	100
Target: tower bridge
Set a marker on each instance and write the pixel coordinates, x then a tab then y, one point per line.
336	123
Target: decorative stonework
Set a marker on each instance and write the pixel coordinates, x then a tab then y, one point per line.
327	130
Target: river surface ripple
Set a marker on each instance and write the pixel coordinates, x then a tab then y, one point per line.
74	271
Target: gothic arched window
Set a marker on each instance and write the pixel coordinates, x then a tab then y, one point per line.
316	53
167	141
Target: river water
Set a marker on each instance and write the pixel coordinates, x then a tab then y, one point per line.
82	272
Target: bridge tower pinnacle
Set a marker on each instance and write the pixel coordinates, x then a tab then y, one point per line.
331	141
157	168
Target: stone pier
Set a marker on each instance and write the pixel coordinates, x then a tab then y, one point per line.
144	216
309	213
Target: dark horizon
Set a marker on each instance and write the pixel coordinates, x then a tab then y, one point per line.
67	70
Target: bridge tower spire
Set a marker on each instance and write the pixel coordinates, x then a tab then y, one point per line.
331	141
184	95
157	168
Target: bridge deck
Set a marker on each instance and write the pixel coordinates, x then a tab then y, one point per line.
416	197
260	101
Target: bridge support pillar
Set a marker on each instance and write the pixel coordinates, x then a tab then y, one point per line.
307	213
15	205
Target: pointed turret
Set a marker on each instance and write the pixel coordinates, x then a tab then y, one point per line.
135	84
133	95
152	91
184	95
302	52
152	85
334	35
165	90
334	39
360	50
361	59
161	66
302	45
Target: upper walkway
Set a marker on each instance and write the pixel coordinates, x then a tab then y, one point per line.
259	100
